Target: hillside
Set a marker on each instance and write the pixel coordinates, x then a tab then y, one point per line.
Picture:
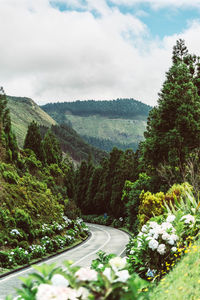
104	124
23	111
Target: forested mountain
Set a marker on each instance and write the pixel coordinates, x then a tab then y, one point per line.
121	108
104	124
24	110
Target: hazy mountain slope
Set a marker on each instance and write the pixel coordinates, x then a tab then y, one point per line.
104	124
23	111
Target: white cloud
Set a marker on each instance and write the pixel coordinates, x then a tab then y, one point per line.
50	55
156	4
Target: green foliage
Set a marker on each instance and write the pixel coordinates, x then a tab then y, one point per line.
7	137
150	205
52	151
4	259
33	140
23	220
11	177
173	127
115	283
131	198
72	143
183	281
117	108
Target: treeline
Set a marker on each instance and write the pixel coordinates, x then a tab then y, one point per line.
170	153
121	108
107	145
72	144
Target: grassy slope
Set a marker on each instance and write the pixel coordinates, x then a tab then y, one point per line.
23	111
183	282
119	130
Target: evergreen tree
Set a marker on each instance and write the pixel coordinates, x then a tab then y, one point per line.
52	150
81	185
7	137
173	127
33	140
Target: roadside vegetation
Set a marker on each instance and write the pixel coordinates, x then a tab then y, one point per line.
153	192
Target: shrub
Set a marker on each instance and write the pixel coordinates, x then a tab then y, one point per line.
150	205
11	177
24	245
23	220
20	256
4	259
37	251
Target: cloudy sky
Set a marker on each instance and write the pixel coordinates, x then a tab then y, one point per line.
92	49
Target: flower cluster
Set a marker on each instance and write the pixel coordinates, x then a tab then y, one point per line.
78	283
188	219
155	244
15	233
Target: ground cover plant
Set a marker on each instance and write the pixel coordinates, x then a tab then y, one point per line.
48	239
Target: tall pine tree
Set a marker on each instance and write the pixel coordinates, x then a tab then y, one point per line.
33	140
173	127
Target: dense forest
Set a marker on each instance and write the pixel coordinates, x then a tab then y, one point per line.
72	144
113	108
107	145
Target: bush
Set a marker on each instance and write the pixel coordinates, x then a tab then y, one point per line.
24	245
37	251
150	205
20	256
11	177
23	220
4	259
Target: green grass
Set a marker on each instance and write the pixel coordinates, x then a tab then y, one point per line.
183	282
118	130
23	111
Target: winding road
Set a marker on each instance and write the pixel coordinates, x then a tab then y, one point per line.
104	238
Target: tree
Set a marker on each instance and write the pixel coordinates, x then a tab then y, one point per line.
7	137
33	140
52	150
173	127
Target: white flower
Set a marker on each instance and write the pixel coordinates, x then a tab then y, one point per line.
174	249
117	263
144	228
161	249
165	236
86	274
83	293
153	224
166	225
107	273
123	276
50	292
153	244
170	218
170	241
59	280
188	219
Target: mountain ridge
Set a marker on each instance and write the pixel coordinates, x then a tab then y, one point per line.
105	123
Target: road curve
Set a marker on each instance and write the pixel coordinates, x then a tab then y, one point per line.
104	238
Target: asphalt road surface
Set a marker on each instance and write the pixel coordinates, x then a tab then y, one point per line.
104	238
